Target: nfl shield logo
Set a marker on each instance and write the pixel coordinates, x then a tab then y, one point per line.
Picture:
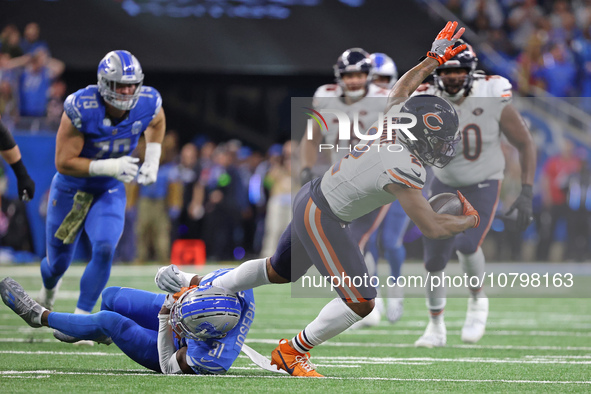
136	127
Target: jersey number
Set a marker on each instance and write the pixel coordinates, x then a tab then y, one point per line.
90	102
217	350
471	133
120	148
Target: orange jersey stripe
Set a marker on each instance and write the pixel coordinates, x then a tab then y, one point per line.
403	180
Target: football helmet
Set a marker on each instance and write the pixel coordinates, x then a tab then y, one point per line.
116	68
465	60
205	312
351	61
436	129
384	66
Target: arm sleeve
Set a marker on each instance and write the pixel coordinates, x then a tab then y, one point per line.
6	139
166	349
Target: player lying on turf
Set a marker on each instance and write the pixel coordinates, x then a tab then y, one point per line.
319	233
199	330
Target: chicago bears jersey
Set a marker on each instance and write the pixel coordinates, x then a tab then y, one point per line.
367	108
102	138
478	155
354	186
216	356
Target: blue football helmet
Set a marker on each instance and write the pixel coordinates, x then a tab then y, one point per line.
205	312
351	61
457	87
119	67
384	66
436	130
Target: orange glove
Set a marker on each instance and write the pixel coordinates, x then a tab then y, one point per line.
469	209
183	290
442	49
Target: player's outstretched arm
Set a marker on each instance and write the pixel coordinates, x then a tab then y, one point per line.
516	131
154	136
441	51
432	224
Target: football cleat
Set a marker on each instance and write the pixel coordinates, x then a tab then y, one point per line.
46	297
371	320
435	335
293	362
394	309
380	305
21	303
105	340
475	323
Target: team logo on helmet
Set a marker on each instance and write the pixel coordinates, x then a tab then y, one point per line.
430	125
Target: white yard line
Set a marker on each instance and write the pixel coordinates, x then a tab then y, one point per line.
44	373
355	361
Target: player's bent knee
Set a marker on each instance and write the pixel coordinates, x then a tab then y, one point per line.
362	308
104	250
108	297
273	276
435	263
466	246
108	321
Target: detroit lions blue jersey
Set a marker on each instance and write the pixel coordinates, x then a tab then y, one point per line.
102	138
217	355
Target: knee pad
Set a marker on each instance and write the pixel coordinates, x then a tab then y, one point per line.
103	250
435	263
108	298
466	245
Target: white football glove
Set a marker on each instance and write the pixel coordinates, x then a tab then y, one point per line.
122	168
169	301
170	279
149	170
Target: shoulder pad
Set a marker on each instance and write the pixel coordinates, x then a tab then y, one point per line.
81	105
424	88
323	95
376	91
150	99
499	87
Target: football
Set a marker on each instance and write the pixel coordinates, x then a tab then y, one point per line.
448	203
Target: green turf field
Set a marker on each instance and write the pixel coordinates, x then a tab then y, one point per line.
531	345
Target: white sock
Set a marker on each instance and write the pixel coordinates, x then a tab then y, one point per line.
436	295
473	265
79	311
248	275
332	320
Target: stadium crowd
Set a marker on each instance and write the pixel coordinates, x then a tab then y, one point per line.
237	198
542	43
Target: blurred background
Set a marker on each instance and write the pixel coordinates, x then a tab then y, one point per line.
227	70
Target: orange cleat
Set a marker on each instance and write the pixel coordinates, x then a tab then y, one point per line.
295	363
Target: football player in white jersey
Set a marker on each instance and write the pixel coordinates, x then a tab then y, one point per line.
352	94
377	174
484	106
355	95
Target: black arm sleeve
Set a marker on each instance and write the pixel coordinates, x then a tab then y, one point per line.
6	139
